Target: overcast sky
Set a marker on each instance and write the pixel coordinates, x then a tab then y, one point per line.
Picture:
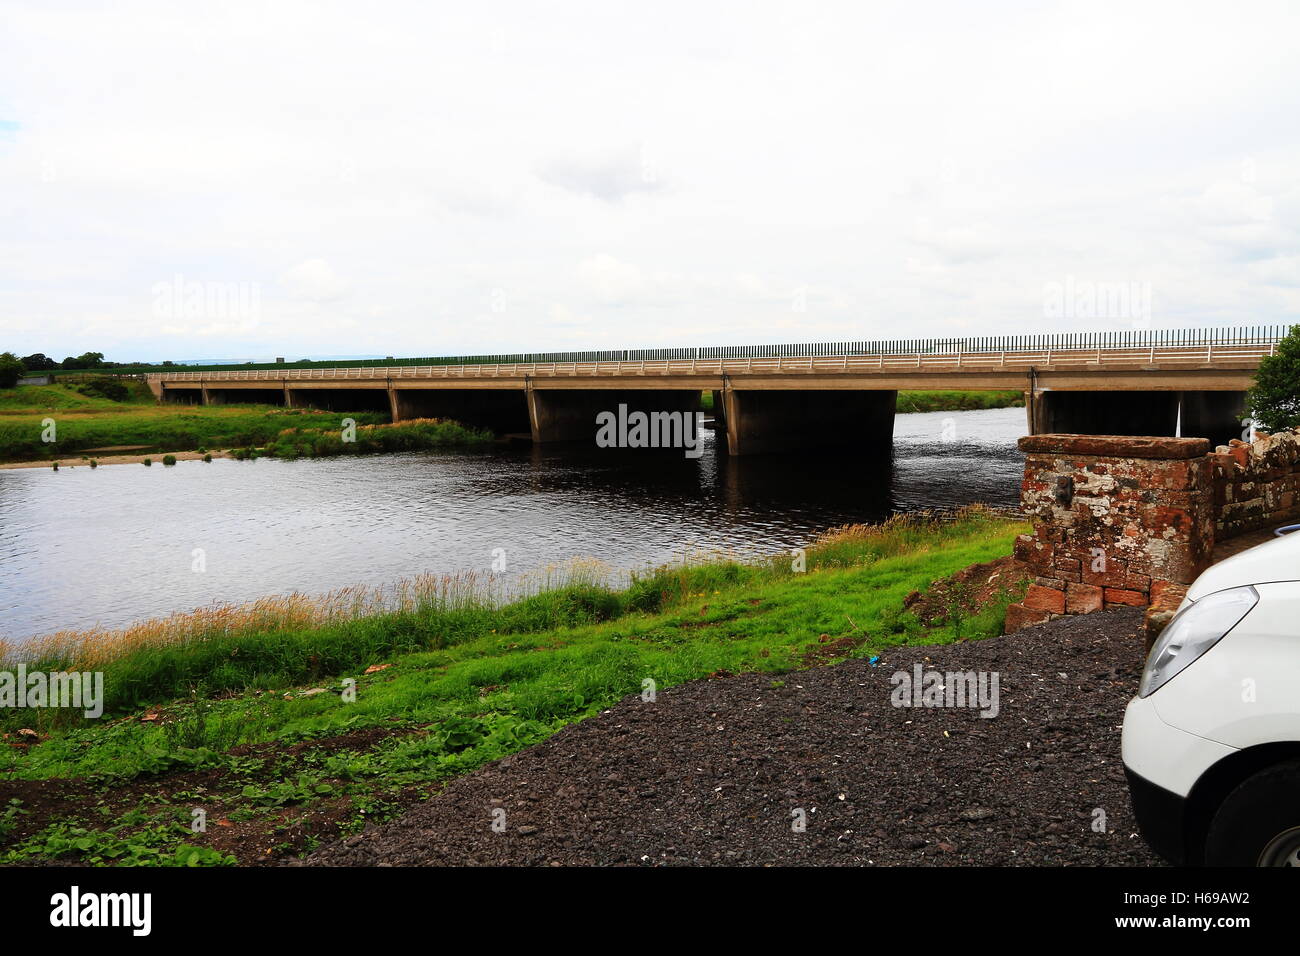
229	180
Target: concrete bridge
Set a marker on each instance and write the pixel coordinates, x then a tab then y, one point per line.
1107	383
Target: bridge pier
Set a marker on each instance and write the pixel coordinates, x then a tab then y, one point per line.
558	415
761	422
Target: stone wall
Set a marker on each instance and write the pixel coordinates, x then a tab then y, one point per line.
1134	521
1117	521
1256	485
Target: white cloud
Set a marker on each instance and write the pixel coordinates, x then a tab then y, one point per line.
314	279
512	178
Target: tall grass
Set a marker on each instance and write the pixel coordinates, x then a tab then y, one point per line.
290	639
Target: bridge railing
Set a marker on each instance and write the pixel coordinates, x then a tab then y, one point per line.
951	345
1211	355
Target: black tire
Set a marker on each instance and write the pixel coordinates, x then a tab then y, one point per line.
1259	822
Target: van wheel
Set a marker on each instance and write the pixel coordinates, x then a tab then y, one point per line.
1259	823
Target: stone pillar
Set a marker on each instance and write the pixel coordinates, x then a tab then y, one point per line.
394	408
1116	521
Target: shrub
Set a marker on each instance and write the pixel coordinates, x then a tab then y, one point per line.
109	388
1274	399
11	370
169	460
148	462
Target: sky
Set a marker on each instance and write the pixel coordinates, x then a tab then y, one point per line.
232	180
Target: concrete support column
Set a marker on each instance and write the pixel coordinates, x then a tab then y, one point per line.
394	408
761	422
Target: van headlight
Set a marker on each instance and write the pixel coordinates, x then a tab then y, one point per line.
1192	632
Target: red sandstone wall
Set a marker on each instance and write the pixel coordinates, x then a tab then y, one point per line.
1121	520
1116	520
1256	485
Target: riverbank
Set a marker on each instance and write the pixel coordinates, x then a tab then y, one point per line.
84	461
295	721
955	401
47	423
41	426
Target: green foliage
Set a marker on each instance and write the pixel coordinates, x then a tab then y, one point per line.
123	845
86	360
1274	399
11	370
303	789
403	436
169	460
9	818
105	387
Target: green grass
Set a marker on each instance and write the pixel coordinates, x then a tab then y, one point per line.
949	401
33	398
82	422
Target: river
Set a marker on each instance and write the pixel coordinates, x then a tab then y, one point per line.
110	546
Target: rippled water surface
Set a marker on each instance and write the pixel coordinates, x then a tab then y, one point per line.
114	545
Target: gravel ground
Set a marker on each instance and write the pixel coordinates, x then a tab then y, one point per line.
712	771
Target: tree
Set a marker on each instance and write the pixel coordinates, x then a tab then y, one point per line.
84	360
38	362
1274	399
11	370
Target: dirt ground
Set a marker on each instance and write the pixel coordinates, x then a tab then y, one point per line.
723	771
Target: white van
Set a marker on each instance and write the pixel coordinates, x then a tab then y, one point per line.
1212	740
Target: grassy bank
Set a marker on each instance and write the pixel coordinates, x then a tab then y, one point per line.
956	401
83	422
417	434
249	713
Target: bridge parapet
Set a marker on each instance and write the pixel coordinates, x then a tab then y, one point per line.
1210	356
